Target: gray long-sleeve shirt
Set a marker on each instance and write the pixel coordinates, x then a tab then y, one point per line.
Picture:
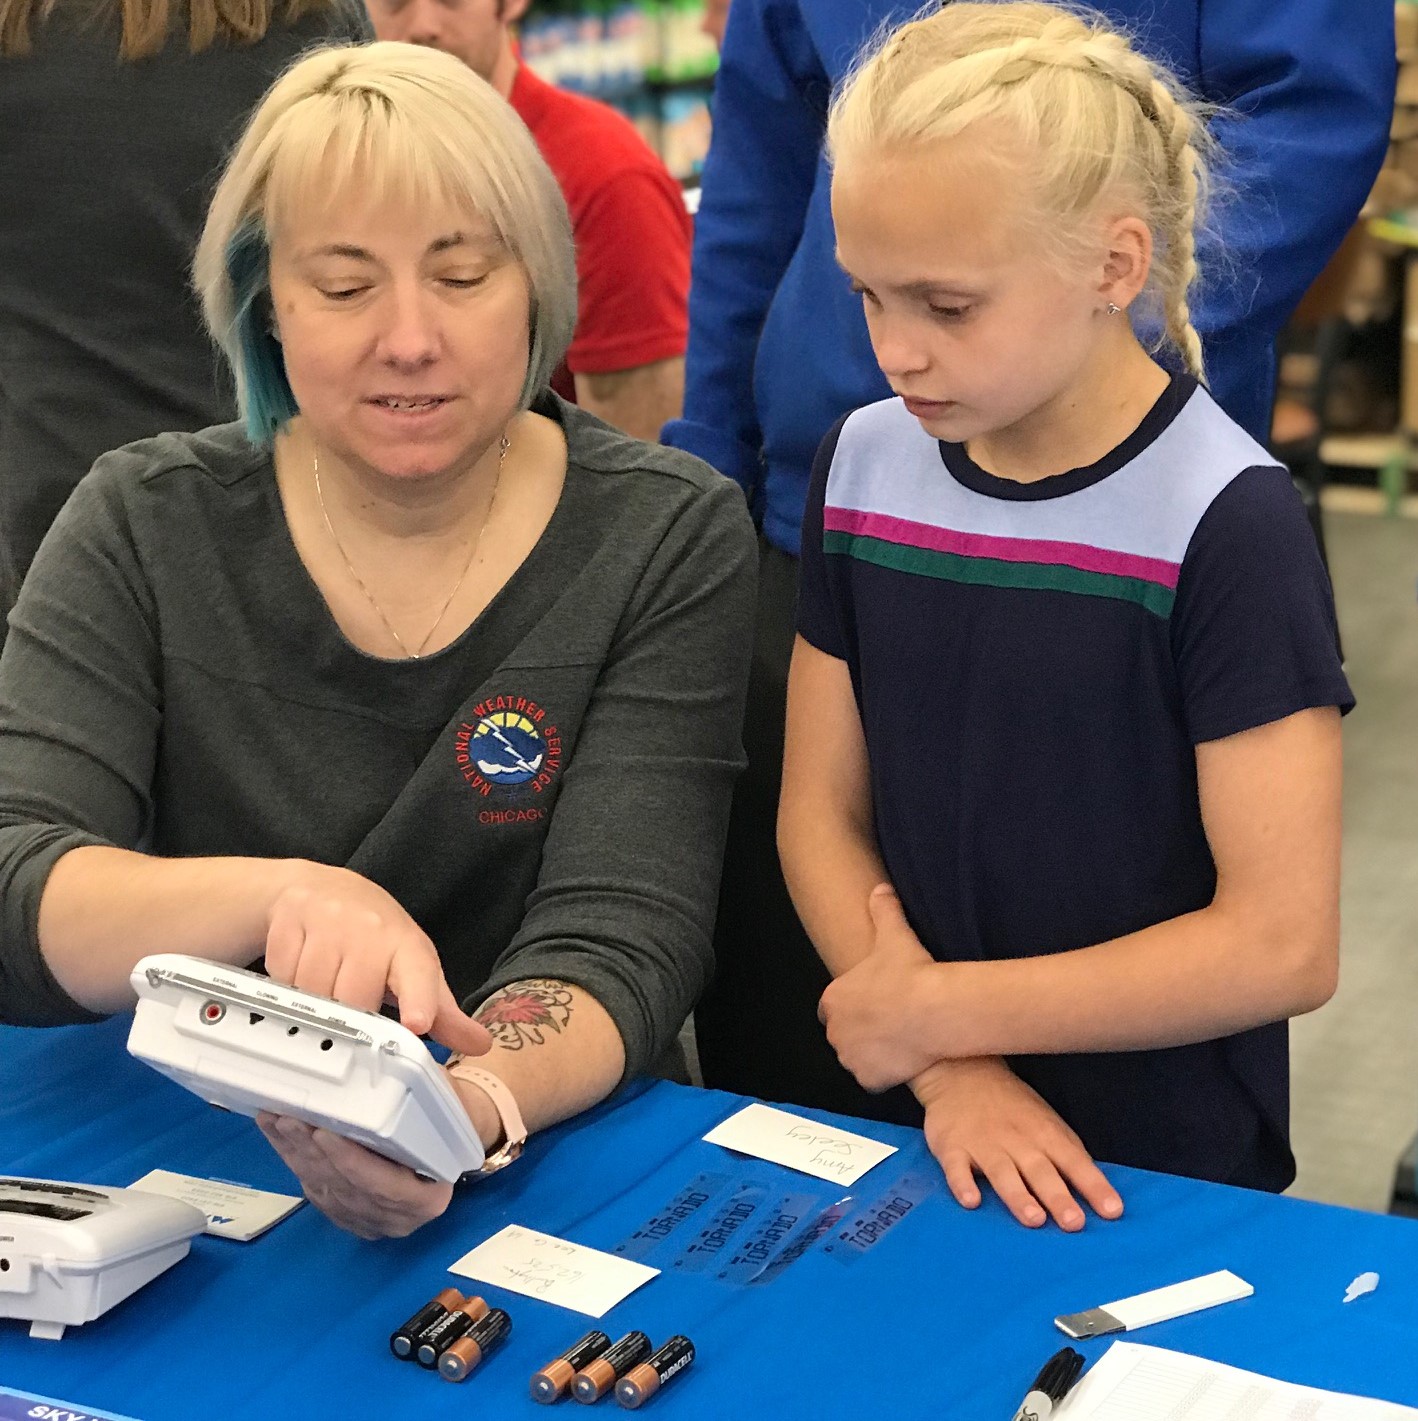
547	797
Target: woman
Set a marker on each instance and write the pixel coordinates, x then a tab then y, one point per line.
114	122
425	684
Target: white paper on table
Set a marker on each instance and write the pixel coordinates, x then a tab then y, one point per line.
792	1140
233	1210
1132	1381
540	1266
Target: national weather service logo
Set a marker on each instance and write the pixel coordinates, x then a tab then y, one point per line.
506	748
509	746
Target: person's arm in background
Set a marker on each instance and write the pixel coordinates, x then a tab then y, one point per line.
639	401
1312	85
632	276
770	106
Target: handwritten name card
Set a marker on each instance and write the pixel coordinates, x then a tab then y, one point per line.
541	1266
820	1150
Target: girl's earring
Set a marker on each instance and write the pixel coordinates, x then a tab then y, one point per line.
1113	309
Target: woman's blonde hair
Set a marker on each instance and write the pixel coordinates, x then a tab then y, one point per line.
147	24
1100	122
408	125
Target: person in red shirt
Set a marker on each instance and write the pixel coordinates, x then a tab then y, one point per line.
626	361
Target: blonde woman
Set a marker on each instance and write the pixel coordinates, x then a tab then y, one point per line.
421	683
114	122
1064	641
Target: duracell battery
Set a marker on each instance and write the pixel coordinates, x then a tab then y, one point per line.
596	1378
435	1340
403	1342
640	1383
483	1338
550	1384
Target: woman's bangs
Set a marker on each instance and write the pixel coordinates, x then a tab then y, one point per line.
362	153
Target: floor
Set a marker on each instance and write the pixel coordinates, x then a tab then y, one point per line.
1355	1062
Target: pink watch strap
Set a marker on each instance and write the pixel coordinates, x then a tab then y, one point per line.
514	1132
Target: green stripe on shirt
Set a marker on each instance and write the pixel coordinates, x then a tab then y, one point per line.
995	572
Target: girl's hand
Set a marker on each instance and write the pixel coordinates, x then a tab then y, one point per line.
353	1187
981	1116
338	935
869	1010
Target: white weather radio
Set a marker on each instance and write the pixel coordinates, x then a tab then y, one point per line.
69	1252
246	1043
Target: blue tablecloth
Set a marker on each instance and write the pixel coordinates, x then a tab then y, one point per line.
948	1314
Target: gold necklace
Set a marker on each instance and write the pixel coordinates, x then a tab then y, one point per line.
502	449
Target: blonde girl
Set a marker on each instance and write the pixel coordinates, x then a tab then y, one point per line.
1062	780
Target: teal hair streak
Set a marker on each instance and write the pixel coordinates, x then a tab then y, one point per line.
268	402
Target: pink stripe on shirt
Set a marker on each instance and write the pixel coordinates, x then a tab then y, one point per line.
891	529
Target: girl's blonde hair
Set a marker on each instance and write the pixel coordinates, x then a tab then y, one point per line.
1101	121
400	123
148	23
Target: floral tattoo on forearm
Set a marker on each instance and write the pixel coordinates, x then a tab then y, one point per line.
524	1013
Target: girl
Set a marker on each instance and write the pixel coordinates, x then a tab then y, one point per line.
1062	780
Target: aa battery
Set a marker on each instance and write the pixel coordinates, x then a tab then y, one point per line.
597	1377
640	1383
447	1330
403	1342
483	1338
550	1384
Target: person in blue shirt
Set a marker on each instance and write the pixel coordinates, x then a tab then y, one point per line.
778	351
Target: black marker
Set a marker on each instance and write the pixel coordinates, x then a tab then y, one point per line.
1051	1386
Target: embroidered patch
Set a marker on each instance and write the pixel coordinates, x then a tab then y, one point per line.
509	752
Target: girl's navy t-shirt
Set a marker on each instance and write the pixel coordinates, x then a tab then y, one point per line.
1034	665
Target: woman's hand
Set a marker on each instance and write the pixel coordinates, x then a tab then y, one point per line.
353	1187
981	1116
869	1009
338	935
